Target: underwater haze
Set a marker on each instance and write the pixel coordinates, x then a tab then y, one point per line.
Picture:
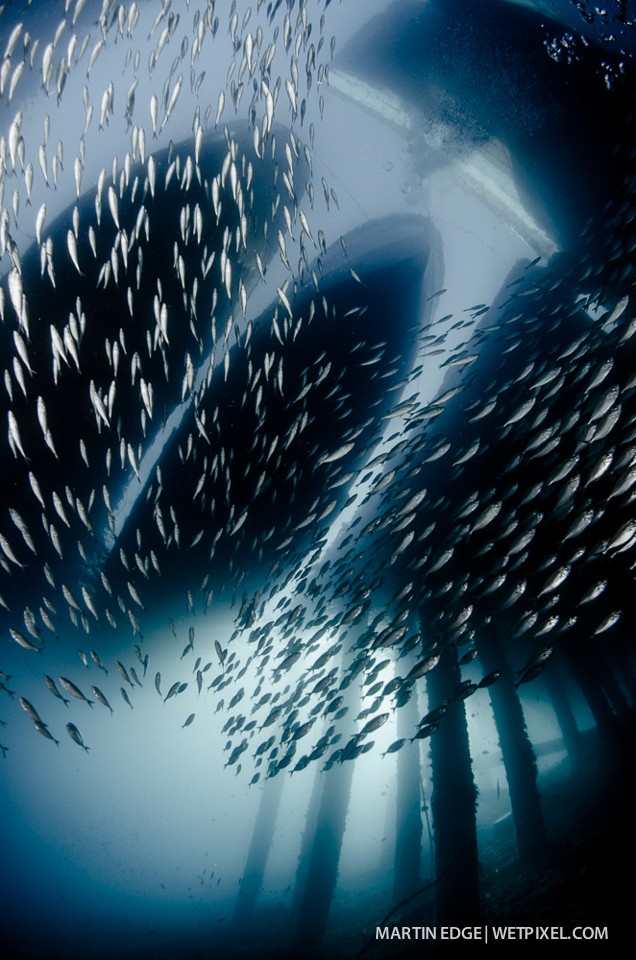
318	447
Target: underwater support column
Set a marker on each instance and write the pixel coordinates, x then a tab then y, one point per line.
612	688
584	672
322	860
408	812
322	871
309	831
453	801
516	749
620	660
258	853
555	684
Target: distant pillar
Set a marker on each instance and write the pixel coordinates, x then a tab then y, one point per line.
258	853
555	684
322	869
309	831
408	809
516	749
318	872
453	802
586	676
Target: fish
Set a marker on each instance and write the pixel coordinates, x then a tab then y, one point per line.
23	641
31	711
314	393
69	340
213	542
50	683
121	669
76	736
74	691
101	698
97	661
174	689
45	732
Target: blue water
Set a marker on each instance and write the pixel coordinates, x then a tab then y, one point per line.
466	182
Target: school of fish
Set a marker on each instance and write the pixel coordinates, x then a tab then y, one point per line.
163	438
